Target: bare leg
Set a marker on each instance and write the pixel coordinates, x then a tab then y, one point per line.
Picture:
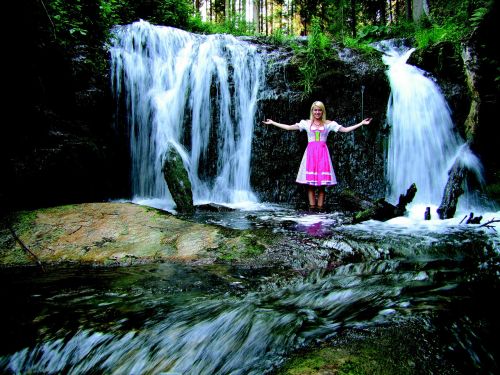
311	196
321	196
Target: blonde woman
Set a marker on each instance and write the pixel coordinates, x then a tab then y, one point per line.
316	169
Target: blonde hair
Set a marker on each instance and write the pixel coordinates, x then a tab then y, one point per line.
321	106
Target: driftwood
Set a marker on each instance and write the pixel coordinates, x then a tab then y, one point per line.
473	219
381	210
487	224
477	220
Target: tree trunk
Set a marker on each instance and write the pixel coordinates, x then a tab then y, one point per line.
266	17
227	10
383	13
391	20
256	15
353	18
419	9
471	65
408	10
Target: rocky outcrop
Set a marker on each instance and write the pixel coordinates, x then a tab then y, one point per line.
116	233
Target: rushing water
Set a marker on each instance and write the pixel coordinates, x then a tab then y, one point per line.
423	144
192	92
176	319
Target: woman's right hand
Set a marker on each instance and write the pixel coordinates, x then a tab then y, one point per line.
268	122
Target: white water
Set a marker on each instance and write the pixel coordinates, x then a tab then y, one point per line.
178	89
221	334
423	143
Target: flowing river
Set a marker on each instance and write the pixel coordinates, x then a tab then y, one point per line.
178	319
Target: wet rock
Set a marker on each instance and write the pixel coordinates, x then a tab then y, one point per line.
178	181
105	233
452	191
214	207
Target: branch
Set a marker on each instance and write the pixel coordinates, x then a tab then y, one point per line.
487	224
25	248
50	19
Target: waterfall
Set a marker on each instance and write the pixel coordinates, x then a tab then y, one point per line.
192	92
423	144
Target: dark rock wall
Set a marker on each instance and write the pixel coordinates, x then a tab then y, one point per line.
58	142
358	157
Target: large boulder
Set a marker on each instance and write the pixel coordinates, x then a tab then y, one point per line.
117	234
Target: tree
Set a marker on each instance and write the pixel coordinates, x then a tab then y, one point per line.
420	8
353	18
256	15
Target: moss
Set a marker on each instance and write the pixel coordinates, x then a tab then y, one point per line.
400	349
241	245
362	215
367	360
23	220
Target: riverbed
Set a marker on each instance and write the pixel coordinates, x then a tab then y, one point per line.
434	283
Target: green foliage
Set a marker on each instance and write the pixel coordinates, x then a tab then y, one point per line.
477	16
314	54
426	37
79	21
278	37
66	16
462	16
235	26
173	13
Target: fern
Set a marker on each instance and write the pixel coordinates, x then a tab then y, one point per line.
478	16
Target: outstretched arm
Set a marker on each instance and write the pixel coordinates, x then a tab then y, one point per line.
348	129
282	126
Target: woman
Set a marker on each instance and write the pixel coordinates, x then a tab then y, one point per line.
316	169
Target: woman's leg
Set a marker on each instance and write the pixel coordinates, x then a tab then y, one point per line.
321	196
311	196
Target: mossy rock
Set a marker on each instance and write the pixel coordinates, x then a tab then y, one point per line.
178	181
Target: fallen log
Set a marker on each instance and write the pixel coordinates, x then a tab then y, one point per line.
382	210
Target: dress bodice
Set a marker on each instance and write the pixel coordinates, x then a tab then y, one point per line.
318	135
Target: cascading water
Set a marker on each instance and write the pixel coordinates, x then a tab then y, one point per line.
423	144
192	92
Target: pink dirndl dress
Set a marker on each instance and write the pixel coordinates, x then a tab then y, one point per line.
316	167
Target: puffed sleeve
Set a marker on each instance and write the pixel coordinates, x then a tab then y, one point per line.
303	125
333	126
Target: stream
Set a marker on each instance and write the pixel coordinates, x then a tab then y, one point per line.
217	319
